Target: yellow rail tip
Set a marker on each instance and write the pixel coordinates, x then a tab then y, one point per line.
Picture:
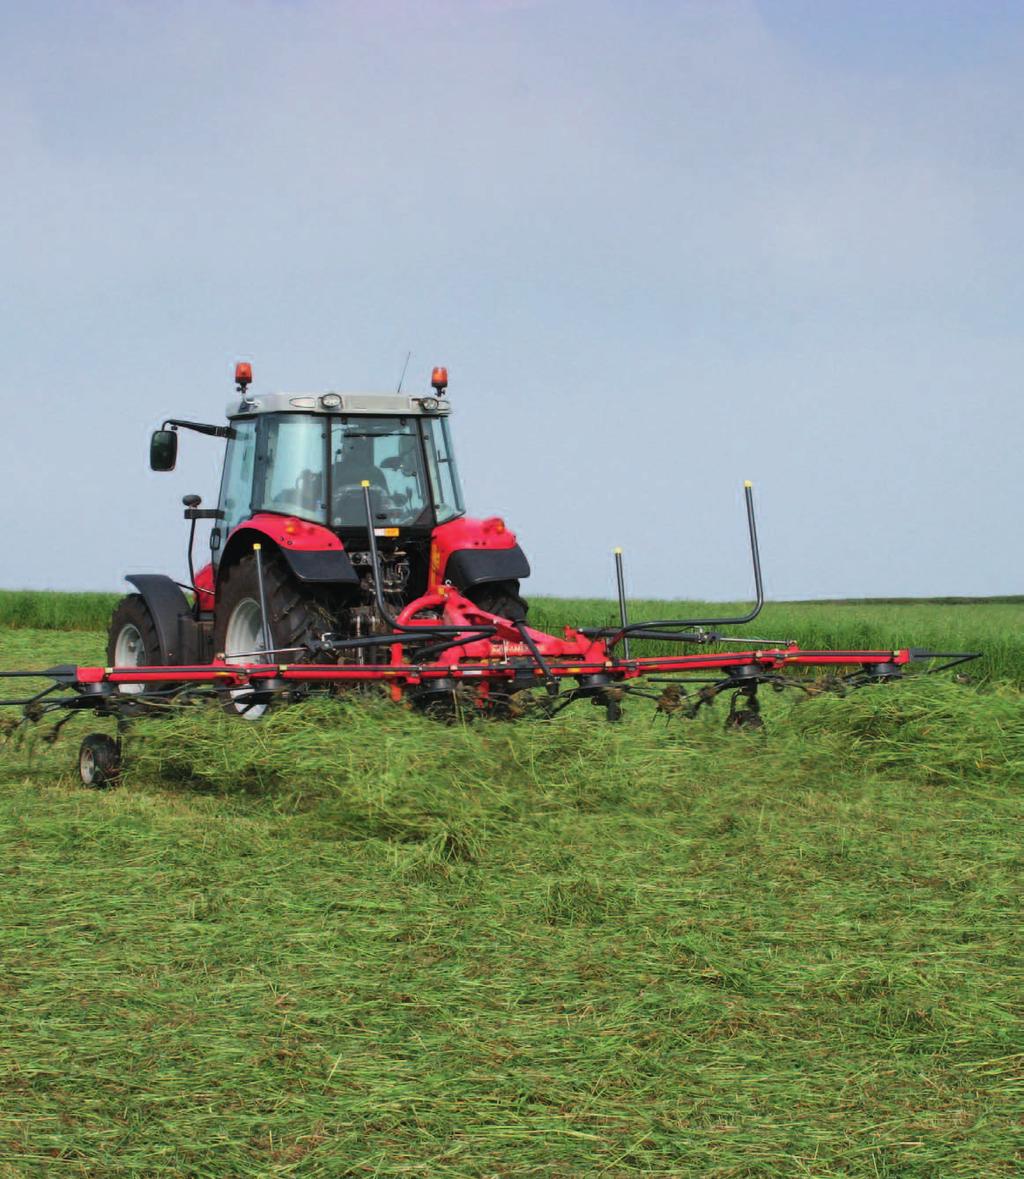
365	483
256	548
747	484
617	552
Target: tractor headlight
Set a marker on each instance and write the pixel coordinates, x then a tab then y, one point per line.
331	401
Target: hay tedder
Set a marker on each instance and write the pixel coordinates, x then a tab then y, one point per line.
341	556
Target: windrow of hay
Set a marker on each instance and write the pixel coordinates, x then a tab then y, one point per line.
389	771
931	729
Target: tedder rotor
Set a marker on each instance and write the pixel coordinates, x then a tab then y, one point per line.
341	555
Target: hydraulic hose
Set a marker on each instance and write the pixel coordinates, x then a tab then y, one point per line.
439	631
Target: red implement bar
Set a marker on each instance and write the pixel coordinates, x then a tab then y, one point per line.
236	674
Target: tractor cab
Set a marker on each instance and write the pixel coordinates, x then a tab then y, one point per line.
335	509
311	463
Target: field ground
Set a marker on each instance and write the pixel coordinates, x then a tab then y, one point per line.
350	941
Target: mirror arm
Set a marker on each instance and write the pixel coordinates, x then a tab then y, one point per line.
200	428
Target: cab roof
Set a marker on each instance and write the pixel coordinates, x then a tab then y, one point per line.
378	404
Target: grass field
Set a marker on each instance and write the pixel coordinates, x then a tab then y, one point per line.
349	941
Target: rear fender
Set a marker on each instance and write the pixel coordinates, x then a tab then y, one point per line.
472	552
176	629
313	553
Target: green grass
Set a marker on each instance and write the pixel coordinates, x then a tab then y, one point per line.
49	610
349	941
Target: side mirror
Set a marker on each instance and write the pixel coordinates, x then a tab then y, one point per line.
163	450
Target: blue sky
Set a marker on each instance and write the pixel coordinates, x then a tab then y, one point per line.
662	248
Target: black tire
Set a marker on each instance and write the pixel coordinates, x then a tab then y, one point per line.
132	639
501	598
296	618
99	761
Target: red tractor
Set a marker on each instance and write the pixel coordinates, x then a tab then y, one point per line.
295	468
341	556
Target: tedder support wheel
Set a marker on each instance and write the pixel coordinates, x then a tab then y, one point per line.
99	760
132	639
296	618
501	598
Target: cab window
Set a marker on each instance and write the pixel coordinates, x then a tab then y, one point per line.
236	483
290	466
443	473
386	453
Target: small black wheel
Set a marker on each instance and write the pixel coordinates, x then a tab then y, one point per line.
99	761
501	598
744	718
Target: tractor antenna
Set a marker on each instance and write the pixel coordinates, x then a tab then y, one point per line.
401	379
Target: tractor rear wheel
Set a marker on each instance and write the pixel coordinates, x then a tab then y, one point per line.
295	618
132	640
501	598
